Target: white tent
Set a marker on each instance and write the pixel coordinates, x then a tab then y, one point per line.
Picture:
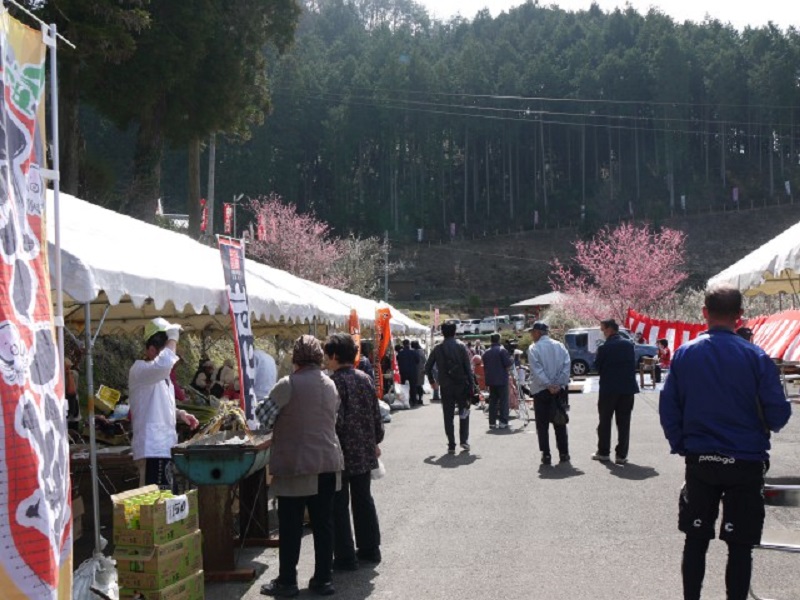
130	271
771	269
542	300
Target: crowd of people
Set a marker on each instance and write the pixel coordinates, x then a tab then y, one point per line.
720	402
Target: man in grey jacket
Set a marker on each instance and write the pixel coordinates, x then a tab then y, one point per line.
549	363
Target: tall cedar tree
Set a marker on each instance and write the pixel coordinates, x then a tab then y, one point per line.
199	68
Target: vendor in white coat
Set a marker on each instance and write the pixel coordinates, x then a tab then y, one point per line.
152	401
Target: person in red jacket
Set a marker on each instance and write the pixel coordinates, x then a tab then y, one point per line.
664	355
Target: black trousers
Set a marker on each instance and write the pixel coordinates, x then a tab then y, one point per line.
542	403
414	396
356	492
450	400
618	407
710	480
290	527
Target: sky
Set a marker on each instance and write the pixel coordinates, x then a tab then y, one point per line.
740	13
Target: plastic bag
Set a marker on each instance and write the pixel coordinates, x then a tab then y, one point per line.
379	471
98	573
403	394
386	411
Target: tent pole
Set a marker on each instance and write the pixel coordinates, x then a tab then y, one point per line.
89	350
59	316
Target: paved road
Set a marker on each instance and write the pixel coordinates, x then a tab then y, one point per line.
493	524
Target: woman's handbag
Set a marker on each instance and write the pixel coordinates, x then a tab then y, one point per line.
559	407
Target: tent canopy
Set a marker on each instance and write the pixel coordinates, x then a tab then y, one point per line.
543	300
771	269
130	271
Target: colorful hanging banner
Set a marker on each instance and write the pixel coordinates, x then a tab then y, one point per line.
233	266
227	217
383	337
36	507
676	333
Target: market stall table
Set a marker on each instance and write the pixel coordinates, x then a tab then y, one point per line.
216	464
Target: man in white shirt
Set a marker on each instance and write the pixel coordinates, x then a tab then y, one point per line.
266	374
549	363
152	402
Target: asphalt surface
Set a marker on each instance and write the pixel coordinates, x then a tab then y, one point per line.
493	524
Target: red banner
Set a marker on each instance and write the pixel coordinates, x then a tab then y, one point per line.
203	215
227	218
676	333
233	266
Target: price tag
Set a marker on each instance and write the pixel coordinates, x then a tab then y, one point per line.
177	509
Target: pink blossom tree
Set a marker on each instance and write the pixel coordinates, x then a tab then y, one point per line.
630	266
305	246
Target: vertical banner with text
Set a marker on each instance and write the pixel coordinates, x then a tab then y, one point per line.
383	337
35	499
355	332
233	266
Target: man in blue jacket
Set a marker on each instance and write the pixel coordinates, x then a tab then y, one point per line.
496	363
616	364
722	398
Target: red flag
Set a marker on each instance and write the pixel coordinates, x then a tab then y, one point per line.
262	227
203	215
227	215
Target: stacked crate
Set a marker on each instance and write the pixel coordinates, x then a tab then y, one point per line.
157	545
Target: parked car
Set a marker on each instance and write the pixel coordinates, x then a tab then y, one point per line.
582	344
495	324
469	326
518	322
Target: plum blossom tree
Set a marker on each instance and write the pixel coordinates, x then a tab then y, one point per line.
630	266
305	246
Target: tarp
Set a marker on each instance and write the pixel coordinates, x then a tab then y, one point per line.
778	335
676	333
542	300
142	271
771	269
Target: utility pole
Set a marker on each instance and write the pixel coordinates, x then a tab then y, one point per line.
235	206
386	266
212	162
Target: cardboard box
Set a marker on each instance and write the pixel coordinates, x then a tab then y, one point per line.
154	527
155	567
190	588
77	517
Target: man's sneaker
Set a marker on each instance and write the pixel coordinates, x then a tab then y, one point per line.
503	426
465	446
451	449
492	426
563	458
276	589
321	588
601	457
621	460
546	460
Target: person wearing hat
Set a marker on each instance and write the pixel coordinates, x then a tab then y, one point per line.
306	463
151	396
549	364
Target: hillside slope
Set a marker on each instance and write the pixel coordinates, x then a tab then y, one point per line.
504	269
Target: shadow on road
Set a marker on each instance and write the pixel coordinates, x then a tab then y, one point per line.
451	461
357	584
559	471
630	471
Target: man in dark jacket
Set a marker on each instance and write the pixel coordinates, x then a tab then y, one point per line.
496	362
407	363
616	364
722	398
451	359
